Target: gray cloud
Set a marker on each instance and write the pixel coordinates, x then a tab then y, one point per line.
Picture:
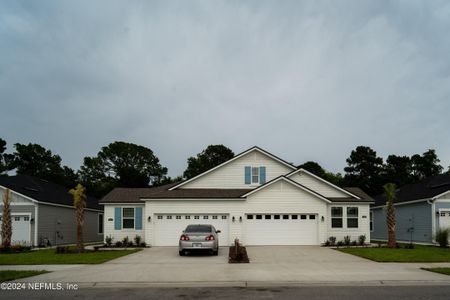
306	80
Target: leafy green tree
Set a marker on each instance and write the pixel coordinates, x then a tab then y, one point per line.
35	160
364	170
390	191
168	180
316	169
212	156
398	170
5	159
425	165
121	164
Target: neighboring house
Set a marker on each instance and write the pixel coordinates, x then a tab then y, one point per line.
42	213
421	208
255	197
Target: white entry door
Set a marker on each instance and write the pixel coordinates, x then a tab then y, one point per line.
281	229
444	219
21	229
168	227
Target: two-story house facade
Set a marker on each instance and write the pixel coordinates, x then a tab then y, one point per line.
255	197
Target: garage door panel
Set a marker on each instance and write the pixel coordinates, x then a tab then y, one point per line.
21	229
168	227
281	229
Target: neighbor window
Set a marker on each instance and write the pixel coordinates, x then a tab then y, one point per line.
258	217
187	217
255	175
352	217
128	217
214	217
276	217
312	217
267	217
160	217
303	217
285	217
100	223
249	217
28	219
371	221
336	217
294	217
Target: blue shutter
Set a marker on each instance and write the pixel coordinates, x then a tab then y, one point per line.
138	218
117	218
248	175
262	175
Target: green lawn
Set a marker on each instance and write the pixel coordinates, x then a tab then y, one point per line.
8	275
418	254
445	271
49	257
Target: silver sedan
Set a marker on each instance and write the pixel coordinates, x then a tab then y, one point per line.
199	237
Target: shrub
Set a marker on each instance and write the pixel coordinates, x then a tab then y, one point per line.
347	240
143	244
119	244
327	243
340	244
125	241
332	240
442	237
362	239
354	243
137	240
108	240
409	246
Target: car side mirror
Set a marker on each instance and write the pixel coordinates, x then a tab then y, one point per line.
217	231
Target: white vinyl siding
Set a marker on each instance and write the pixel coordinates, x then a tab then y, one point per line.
118	235
232	175
317	185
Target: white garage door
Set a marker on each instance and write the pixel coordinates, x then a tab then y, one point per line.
168	227
20	229
281	229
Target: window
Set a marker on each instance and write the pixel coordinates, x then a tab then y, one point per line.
100	223
312	217
169	217
160	217
336	217
205	217
178	217
294	217
128	217
258	217
196	217
276	217
249	217
303	217
255	175
268	217
187	217
442	214
28	219
352	217
285	217
224	217
371	221
214	217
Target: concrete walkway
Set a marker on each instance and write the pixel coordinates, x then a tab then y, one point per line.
162	266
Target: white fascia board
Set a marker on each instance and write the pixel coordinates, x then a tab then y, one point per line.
123	203
296	184
21	195
195	199
323	180
231	160
404	203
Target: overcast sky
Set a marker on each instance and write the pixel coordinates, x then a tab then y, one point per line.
305	80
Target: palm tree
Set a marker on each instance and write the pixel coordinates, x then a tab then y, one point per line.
390	190
79	202
6	220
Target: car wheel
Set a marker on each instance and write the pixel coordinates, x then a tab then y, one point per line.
181	252
216	252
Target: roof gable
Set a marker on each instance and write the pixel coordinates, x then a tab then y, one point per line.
320	185
285	165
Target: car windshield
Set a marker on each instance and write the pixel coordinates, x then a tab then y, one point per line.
198	228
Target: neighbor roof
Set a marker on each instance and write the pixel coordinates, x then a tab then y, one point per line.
43	190
425	189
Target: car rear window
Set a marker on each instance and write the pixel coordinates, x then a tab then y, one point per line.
198	228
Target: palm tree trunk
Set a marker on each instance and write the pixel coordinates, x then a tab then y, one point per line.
80	221
391	225
6	221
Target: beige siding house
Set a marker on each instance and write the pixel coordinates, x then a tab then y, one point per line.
255	197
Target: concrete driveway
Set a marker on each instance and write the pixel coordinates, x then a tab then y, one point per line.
270	265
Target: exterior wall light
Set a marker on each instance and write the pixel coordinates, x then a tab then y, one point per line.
149	218
322	219
233	219
240	219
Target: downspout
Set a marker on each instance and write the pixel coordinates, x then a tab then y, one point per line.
36	218
433	219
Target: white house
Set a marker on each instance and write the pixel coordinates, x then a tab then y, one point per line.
255	197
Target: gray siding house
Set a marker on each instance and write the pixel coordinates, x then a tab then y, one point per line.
421	209
42	213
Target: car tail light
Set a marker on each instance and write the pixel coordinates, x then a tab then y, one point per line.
184	238
210	238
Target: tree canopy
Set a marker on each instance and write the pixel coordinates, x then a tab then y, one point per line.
212	156
121	164
5	159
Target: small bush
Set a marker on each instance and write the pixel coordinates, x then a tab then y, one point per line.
125	241
137	240
109	240
354	243
409	246
442	237
340	244
327	243
119	244
143	245
332	240
347	240
362	240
